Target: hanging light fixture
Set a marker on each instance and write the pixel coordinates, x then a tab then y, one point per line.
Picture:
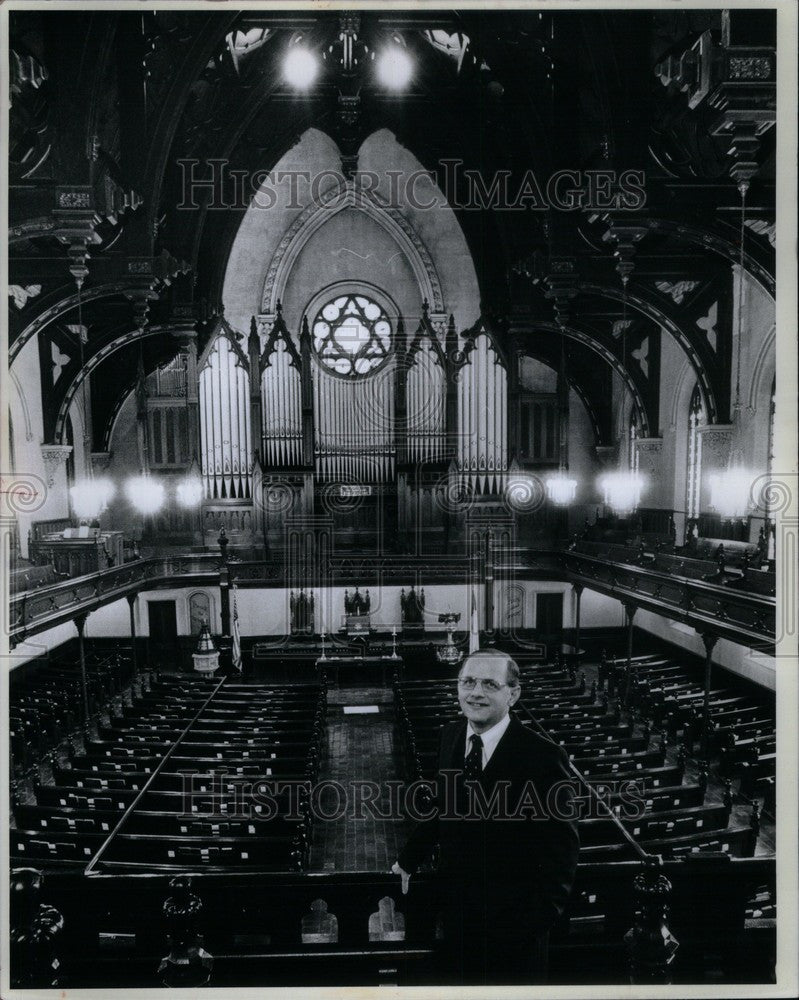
562	488
189	491
394	67
90	497
622	489
145	493
731	488
300	67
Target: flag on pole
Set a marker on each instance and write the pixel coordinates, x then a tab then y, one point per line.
474	626
236	635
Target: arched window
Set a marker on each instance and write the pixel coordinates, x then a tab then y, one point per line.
696	419
352	335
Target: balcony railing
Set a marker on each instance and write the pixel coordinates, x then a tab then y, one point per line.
682	589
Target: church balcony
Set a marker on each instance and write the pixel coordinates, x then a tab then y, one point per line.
711	601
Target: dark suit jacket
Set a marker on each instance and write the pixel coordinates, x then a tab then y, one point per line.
516	874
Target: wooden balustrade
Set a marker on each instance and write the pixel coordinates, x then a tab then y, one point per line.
675	589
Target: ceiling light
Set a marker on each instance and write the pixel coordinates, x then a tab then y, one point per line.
300	67
90	497
622	490
189	491
147	495
394	68
561	489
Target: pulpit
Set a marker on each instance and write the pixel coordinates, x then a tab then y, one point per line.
357	623
206	655
78	551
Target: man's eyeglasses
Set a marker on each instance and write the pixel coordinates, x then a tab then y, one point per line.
487	684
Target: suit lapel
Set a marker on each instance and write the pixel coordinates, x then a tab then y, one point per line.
454	757
503	758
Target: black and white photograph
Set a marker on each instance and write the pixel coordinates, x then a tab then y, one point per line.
399	499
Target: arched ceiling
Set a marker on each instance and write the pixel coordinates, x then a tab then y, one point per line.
510	94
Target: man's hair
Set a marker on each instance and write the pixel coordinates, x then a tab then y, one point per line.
512	675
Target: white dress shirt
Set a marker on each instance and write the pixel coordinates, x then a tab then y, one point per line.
490	738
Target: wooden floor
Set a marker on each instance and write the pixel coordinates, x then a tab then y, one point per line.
360	748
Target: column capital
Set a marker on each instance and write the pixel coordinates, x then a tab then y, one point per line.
80	622
101	460
54	457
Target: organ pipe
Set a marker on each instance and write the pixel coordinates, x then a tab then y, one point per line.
482	458
282	395
354	430
226	445
425	403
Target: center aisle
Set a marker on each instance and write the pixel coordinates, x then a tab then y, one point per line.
360	747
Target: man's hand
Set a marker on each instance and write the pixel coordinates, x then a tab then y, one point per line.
396	870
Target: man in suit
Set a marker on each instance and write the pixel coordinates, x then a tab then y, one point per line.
506	828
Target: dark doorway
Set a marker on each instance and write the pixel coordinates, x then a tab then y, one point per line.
163	626
549	614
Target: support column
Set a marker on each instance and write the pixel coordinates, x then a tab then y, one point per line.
131	599
709	643
578	593
225	642
629	610
489	587
452	430
306	384
80	624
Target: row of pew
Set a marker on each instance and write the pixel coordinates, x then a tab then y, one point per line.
670	696
183	778
671	817
45	708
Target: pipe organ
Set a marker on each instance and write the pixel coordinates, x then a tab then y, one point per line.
225	437
354	426
409	405
425	404
281	402
482	449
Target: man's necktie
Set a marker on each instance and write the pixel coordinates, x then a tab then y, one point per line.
473	763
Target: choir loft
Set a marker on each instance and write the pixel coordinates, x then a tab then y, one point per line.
344	345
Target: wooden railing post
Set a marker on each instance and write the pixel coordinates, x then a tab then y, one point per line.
629	610
188	963
35	928
650	943
80	624
131	599
578	593
710	642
